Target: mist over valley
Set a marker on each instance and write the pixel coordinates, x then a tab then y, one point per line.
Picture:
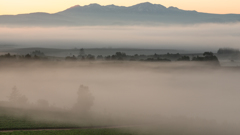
148	68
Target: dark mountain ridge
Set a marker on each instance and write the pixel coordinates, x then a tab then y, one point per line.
140	14
142	8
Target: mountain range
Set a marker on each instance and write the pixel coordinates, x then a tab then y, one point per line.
95	14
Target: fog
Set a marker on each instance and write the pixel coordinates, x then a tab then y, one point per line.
177	96
176	93
184	37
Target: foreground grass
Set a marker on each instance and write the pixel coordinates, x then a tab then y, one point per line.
9	122
70	132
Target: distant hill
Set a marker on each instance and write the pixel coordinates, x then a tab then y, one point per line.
140	14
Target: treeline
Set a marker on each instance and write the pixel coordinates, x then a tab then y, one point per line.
118	56
35	55
228	51
121	56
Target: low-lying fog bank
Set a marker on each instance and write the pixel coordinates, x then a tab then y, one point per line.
175	96
202	37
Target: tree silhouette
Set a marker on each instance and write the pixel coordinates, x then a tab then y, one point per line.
184	58
28	56
14	95
16	98
208	54
84	100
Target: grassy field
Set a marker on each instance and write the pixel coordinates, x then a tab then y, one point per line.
8	122
21	123
70	132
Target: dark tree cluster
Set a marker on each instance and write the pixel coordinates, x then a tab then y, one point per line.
119	56
8	55
100	57
184	58
157	59
90	57
207	56
37	53
21	57
136	57
71	58
82	57
32	57
171	56
228	51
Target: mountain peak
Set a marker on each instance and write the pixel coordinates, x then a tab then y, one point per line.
148	4
74	6
173	8
145	3
148	7
93	5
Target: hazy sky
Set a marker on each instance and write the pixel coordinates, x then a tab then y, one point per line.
52	6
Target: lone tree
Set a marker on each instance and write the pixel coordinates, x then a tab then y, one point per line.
16	98
84	101
14	95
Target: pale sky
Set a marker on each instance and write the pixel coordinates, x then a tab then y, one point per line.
52	6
